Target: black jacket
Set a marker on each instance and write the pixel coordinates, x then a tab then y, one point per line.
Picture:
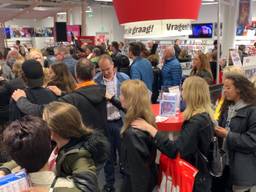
6	90
91	103
39	96
195	136
241	143
138	156
156	84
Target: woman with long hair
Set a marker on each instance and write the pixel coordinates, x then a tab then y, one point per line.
238	129
138	151
196	134
201	67
61	78
79	149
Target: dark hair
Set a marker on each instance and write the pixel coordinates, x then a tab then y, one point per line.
97	51
144	52
241	48
115	45
135	49
28	142
90	47
63	79
246	88
18	42
84	69
255	44
50	51
121	43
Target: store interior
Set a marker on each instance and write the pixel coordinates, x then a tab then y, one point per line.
100	19
130	95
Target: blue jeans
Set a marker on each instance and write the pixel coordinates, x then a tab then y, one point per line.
113	133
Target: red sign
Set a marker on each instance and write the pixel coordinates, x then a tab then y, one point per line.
73	30
89	40
145	10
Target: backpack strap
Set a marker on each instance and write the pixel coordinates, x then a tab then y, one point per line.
53	184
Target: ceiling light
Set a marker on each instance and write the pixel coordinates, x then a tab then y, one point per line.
61	13
89	9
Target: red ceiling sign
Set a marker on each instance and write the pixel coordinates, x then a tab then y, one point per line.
143	10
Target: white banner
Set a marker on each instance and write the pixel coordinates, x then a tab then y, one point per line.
158	28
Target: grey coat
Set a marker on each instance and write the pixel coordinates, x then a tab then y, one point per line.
241	143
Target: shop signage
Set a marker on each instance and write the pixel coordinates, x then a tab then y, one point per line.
158	28
88	40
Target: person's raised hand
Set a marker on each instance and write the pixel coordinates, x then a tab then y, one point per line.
55	90
108	95
221	132
18	94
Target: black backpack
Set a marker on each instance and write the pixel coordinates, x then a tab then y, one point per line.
214	158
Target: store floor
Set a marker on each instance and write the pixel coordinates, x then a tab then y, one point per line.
118	179
118	182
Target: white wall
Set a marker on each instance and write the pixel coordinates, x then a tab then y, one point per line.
254	10
208	14
21	22
104	19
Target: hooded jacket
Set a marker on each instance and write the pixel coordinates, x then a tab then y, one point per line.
89	100
91	103
78	159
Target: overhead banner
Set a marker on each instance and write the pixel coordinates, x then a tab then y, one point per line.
129	11
158	28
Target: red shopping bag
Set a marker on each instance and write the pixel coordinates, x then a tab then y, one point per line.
176	175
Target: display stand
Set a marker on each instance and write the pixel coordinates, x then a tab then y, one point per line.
27	41
249	66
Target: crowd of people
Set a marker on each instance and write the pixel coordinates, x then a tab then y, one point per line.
69	112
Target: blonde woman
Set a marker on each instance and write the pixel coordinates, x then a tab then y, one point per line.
196	134
137	147
16	68
37	55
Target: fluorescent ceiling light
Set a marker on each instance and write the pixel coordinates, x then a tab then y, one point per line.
61	13
43	8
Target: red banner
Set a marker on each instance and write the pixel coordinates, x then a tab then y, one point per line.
145	10
73	30
88	40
